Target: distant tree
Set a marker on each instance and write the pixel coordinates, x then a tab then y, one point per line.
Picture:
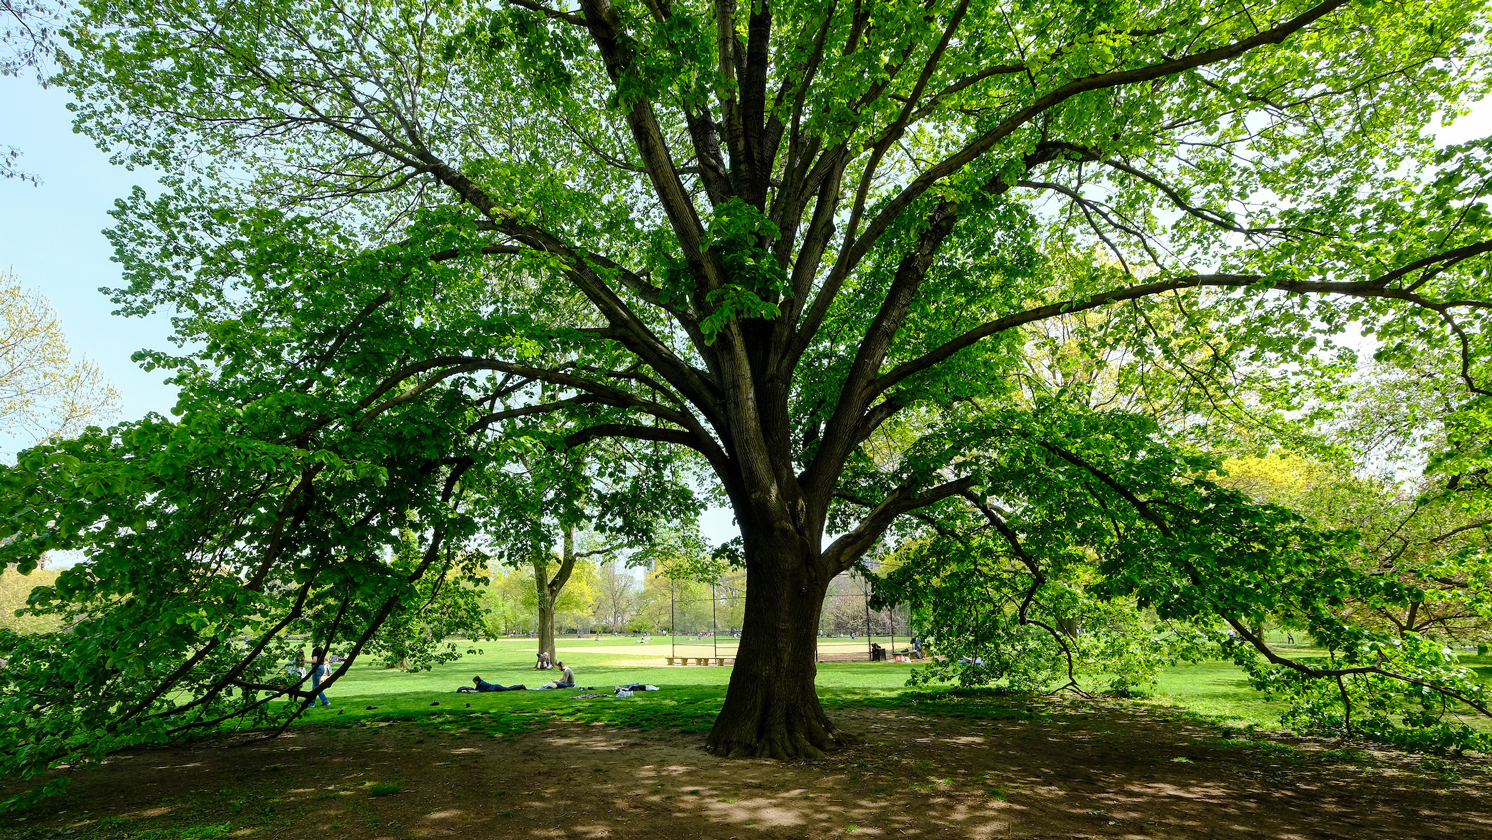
654	602
617	595
505	602
670	600
1423	535
598	502
45	391
563	588
676	592
14	591
1430	533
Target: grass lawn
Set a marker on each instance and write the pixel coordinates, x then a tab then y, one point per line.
1219	691
691	696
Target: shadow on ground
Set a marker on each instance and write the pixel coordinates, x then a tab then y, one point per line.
1074	770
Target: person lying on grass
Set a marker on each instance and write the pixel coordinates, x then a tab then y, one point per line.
483	685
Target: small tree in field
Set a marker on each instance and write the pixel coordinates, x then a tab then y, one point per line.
617	596
599	504
503	604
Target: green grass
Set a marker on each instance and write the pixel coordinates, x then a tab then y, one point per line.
1482	665
1217	691
1220	692
509	661
691	696
689	700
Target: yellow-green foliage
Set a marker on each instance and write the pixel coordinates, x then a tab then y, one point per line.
14	589
44	389
512	601
1280	478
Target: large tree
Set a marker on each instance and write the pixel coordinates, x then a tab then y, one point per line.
770	232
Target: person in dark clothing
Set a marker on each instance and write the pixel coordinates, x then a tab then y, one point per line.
483	685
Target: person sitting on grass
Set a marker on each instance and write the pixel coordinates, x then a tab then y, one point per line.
566	677
483	685
543	663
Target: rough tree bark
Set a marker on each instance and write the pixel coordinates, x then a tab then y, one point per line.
771	708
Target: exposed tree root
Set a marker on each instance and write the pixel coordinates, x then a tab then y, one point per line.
801	737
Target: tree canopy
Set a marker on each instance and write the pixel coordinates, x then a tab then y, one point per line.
809	245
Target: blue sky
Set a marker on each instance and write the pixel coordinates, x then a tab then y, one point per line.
51	236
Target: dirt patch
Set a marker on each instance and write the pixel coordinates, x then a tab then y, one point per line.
1085	772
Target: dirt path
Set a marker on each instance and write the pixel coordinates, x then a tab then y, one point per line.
1101	773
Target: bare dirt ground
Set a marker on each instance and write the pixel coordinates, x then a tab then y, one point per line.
1106	772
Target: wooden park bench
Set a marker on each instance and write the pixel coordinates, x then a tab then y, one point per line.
700	660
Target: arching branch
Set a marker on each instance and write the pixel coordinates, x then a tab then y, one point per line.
843	552
1375	288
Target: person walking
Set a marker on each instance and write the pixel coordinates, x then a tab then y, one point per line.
319	670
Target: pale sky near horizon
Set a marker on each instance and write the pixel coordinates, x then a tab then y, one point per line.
51	237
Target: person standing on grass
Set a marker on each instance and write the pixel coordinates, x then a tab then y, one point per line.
319	670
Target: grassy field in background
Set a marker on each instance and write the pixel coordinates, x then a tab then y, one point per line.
688	699
1218	691
690	696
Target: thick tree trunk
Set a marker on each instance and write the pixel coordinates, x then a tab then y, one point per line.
549	590
546	625
771	708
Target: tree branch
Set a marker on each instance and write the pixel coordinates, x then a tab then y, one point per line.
852	254
1374	288
843	552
